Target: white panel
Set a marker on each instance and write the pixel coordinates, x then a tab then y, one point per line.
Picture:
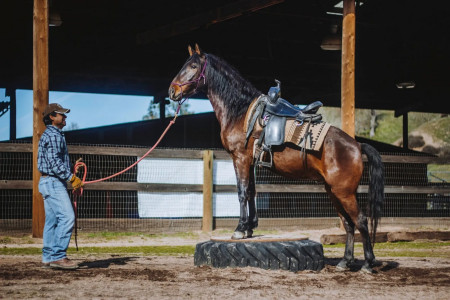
170	205
185	205
181	171
224	172
226	205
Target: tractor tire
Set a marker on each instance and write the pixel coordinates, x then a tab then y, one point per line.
275	255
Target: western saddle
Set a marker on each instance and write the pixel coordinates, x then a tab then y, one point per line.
271	111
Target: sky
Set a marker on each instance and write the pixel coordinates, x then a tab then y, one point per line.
87	110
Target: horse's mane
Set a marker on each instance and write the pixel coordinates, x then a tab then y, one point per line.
235	91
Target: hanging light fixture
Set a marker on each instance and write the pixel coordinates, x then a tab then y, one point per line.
406	85
333	41
54	18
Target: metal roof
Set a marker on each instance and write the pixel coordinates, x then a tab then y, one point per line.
137	46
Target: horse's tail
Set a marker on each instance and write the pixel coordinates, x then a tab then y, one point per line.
376	187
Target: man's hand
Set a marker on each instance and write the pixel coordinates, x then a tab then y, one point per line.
76	182
77	167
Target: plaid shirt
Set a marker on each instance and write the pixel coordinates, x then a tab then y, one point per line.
53	157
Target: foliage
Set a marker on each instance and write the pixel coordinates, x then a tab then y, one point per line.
170	109
71	126
440	128
388	128
152	111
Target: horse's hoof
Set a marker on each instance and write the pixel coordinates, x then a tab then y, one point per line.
238	235
249	233
342	269
342	266
366	270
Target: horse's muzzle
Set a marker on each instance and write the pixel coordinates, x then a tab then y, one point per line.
173	95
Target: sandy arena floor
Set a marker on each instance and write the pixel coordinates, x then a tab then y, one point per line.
167	277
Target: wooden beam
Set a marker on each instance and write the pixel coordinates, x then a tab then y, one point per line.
40	101
197	154
139	152
220	14
198	188
348	69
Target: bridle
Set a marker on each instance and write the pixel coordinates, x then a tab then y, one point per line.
197	80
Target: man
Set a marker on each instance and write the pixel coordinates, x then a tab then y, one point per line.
54	165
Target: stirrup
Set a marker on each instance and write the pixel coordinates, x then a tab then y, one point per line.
260	161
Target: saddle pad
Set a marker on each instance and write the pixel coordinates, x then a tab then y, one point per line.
250	111
311	140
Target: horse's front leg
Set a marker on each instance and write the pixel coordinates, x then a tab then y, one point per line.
248	220
252	213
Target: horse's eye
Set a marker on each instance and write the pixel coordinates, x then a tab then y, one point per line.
194	66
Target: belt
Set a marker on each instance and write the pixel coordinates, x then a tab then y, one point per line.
45	174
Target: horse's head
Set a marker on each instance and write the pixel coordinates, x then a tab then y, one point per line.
191	77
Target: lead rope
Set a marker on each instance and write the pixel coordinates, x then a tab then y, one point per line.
79	192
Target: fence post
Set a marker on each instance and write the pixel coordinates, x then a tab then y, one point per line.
208	163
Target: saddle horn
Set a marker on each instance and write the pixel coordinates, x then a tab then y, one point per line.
275	92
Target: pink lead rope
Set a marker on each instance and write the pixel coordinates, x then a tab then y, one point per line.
79	192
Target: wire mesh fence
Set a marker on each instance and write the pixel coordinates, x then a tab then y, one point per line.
164	192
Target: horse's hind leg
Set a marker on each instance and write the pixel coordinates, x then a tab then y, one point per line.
349	258
367	245
348	209
349	226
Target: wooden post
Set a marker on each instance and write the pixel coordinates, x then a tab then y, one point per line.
405	130
162	108
11	92
40	101
208	162
348	69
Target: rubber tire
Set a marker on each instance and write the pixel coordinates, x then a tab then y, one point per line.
289	255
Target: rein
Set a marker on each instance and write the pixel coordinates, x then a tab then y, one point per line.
78	193
202	75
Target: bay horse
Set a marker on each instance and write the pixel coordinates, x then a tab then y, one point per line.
338	164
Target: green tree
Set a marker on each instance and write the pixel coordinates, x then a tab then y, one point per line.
152	111
171	108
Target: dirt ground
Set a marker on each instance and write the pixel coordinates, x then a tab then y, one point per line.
173	277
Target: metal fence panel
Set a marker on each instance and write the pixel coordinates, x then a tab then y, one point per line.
164	192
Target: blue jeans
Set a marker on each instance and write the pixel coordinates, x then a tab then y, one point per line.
59	218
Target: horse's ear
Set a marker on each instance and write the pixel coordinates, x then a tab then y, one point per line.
197	49
190	50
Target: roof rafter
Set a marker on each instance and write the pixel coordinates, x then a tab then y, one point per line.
220	14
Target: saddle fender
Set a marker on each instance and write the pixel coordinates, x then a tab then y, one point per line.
274	131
